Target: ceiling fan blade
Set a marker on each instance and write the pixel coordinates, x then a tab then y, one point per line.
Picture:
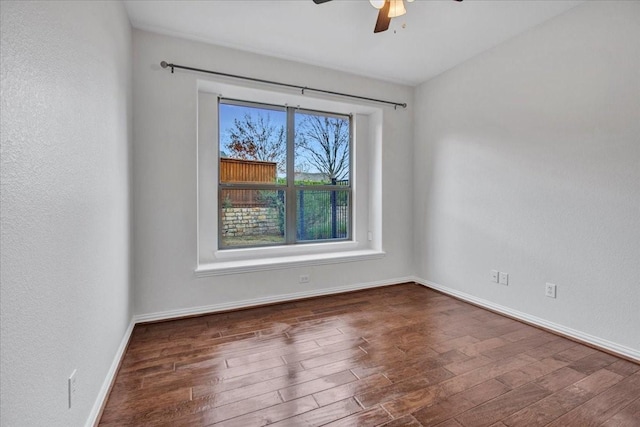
383	21
324	1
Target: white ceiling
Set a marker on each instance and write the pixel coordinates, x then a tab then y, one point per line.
432	37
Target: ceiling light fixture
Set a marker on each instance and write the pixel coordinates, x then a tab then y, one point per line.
387	9
396	8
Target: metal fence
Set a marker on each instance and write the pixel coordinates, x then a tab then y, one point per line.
322	214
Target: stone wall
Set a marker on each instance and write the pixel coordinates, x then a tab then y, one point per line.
238	222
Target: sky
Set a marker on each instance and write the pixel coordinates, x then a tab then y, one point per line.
229	112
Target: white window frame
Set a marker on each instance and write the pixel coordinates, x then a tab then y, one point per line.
366	237
290	188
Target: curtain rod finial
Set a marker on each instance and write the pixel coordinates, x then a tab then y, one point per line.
164	64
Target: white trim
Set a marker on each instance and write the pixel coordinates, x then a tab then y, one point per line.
366	159
284	250
564	330
111	374
220	268
171	314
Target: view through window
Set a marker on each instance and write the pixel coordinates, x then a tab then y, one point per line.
284	175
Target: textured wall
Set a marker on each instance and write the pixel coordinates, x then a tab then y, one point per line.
65	296
165	180
529	162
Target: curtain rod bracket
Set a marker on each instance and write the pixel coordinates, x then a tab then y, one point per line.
164	64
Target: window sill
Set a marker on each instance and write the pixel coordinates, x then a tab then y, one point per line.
220	268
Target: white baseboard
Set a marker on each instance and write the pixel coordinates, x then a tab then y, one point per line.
111	374
172	314
563	330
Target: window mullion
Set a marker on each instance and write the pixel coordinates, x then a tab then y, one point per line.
291	220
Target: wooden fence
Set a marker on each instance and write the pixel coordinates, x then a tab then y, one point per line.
245	171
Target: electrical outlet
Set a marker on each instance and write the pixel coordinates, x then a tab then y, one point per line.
304	278
494	276
504	278
550	290
72	387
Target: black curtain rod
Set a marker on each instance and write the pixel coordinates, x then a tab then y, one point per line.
164	64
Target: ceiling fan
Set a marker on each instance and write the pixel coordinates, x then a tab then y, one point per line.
388	9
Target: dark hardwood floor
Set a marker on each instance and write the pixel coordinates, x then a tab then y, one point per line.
396	356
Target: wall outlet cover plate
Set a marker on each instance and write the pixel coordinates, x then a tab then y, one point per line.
504	279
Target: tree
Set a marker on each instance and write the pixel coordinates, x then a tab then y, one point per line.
324	141
255	137
321	143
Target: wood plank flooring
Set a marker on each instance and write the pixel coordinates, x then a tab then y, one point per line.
402	355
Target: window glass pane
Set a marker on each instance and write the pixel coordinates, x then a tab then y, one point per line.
253	143
254	148
251	217
321	149
322	214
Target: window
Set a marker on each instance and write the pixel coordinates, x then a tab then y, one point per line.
285	175
357	193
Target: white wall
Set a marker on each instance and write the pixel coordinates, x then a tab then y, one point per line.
66	109
528	159
164	176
